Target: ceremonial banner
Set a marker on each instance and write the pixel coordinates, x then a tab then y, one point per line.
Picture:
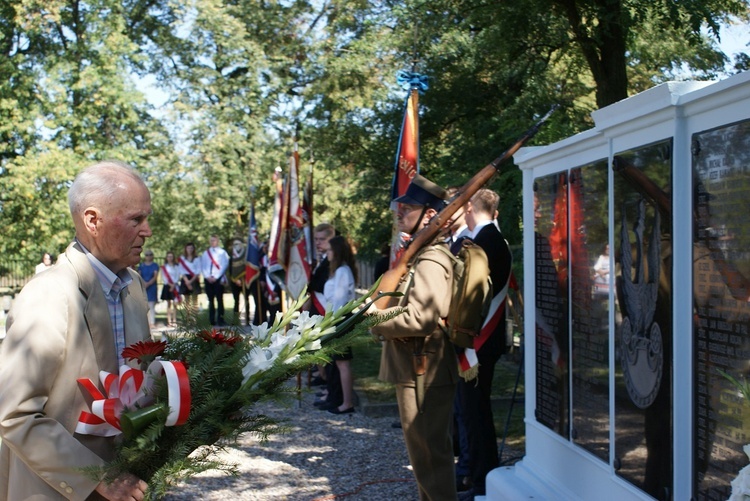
294	245
252	258
407	154
307	207
274	264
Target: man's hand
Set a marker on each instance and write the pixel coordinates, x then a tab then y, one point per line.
369	306
126	487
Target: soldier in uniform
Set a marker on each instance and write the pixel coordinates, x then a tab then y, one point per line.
417	355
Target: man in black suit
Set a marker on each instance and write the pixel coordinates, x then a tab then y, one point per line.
474	395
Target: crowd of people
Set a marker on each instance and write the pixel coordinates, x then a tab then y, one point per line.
214	272
102	304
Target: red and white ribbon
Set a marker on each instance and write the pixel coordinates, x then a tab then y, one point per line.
170	282
318	301
179	391
129	391
468	358
187	267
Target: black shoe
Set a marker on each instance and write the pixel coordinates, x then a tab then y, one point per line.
396	424
463	483
336	410
467	495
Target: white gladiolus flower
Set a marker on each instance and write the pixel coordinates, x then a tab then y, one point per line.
306	322
260	332
259	359
285	343
313	345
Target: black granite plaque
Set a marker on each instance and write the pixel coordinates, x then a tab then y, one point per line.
551	270
590	281
643	322
721	267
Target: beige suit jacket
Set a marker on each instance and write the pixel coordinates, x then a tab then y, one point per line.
58	330
426	302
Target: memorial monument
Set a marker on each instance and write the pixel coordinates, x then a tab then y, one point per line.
637	252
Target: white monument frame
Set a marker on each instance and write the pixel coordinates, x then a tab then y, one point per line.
557	469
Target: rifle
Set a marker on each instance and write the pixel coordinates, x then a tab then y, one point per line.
391	278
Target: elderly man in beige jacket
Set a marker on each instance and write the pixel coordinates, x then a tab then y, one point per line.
67	323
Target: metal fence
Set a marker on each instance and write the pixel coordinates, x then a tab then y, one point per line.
14	273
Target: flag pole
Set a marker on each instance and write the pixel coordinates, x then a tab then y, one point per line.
244	282
311	233
252	258
294	167
258	302
407	151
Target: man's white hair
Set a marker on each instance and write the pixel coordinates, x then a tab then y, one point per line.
98	183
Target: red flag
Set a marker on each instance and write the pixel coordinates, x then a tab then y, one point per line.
297	264
558	238
580	267
407	154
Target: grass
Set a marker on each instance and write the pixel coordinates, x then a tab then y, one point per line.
366	365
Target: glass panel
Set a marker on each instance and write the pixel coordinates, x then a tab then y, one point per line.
551	265
643	344
721	265
590	284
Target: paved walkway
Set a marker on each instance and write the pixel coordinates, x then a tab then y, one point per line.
322	457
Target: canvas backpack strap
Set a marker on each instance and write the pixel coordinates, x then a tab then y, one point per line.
443	322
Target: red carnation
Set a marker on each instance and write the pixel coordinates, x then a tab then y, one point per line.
218	337
144	351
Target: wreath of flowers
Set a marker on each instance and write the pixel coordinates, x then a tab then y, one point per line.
195	392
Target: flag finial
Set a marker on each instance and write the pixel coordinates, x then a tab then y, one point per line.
408	80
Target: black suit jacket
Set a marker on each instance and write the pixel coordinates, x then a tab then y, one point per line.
500	261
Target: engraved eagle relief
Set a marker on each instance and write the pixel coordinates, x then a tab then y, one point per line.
641	351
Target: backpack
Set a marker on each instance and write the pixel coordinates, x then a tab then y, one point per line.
471	296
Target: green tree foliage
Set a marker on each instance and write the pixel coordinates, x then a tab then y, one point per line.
34	198
67	102
241	76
